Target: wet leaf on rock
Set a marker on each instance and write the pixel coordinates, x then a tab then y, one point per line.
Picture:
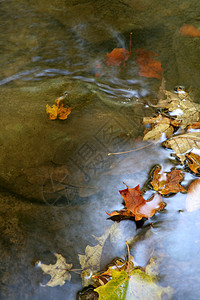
137	206
59	271
167	182
57	110
193	196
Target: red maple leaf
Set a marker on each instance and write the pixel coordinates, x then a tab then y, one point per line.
137	206
149	67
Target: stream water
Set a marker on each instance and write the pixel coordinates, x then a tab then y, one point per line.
57	180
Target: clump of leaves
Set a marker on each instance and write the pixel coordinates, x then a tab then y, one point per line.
167	182
57	110
137	206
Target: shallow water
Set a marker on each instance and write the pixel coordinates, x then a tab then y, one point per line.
46	49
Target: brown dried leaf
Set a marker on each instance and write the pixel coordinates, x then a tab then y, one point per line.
193	162
183	143
166	183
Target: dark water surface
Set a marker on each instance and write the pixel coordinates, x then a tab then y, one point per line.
56	177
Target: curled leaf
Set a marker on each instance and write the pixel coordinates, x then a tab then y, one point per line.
193	162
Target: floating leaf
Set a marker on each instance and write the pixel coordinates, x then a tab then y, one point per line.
193	198
183	143
149	67
166	183
137	206
117	57
132	286
189	30
59	271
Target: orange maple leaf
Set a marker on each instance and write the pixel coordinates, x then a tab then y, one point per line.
166	183
137	206
149	67
117	57
189	30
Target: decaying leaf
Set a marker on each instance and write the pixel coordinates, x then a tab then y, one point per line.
117	57
57	110
59	271
189	30
193	196
166	183
149	67
137	206
183	143
160	125
131	286
193	162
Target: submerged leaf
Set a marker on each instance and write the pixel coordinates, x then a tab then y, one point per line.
149	67
189	30
117	57
166	183
59	271
193	198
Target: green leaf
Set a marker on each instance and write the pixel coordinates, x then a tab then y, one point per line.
116	288
134	286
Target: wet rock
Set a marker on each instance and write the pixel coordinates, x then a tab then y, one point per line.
55	161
